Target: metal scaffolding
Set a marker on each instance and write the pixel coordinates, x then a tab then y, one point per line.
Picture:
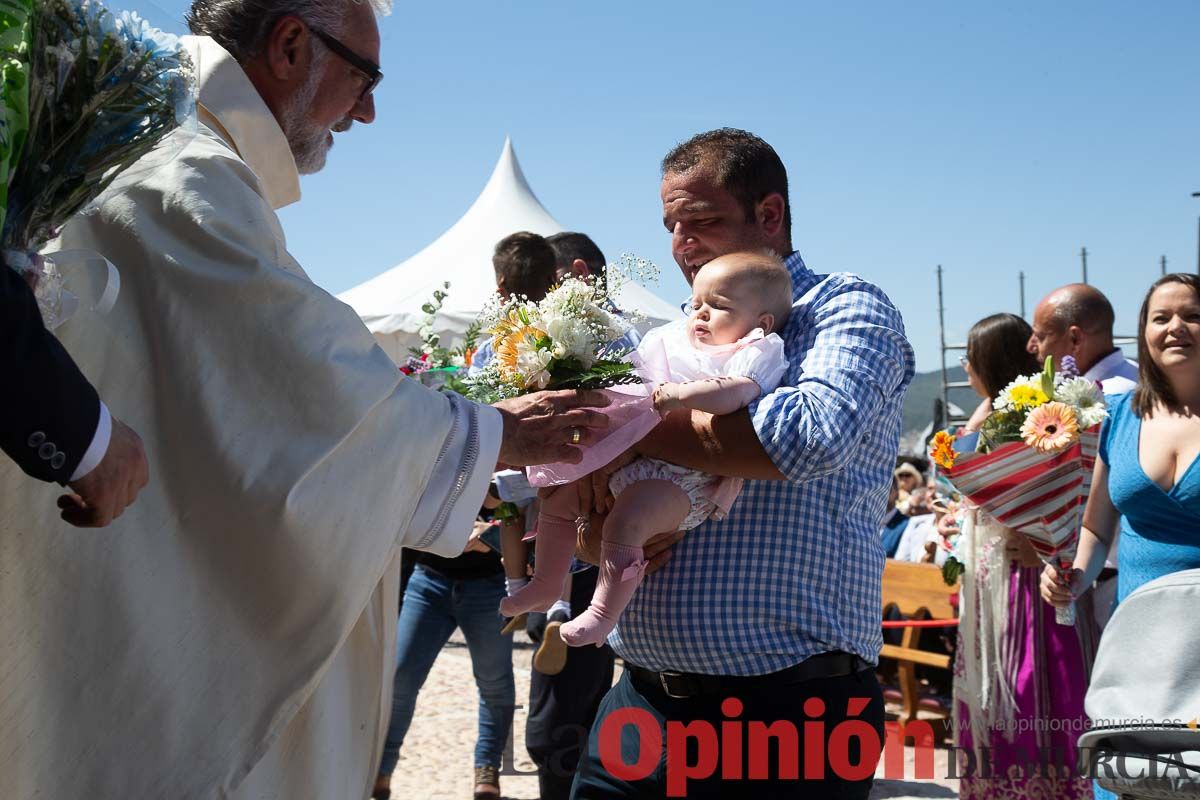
942	415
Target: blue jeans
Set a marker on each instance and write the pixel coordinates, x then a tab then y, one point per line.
434	606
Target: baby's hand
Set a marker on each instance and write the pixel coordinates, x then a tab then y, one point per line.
666	398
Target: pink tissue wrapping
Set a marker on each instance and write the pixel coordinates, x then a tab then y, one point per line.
631	415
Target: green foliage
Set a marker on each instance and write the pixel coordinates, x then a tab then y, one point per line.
602	374
952	570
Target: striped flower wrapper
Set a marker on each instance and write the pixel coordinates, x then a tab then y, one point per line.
1039	495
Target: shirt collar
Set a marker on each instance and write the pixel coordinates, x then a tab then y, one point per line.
1106	367
233	108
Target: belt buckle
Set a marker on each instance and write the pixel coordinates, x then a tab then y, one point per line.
664	682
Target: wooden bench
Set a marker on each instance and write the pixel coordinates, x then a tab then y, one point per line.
916	591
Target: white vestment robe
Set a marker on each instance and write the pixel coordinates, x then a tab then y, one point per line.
232	634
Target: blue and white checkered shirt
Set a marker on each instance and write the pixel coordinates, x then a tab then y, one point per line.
796	568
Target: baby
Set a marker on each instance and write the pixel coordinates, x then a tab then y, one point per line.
723	356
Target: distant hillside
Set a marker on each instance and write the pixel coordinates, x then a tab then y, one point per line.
925	387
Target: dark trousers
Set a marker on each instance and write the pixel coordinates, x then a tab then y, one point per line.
562	707
712	747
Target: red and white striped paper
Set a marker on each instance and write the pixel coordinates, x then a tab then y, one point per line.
1040	496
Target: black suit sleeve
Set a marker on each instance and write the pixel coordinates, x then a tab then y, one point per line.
48	410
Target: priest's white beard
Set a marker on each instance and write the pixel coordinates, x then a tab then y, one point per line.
309	141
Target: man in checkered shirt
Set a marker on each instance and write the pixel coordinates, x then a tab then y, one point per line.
771	615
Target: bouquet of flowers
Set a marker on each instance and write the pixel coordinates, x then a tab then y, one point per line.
1031	468
102	89
436	366
564	341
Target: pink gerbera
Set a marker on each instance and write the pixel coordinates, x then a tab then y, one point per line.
1050	427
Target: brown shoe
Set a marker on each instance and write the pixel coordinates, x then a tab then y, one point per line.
487	776
383	788
551	655
513	624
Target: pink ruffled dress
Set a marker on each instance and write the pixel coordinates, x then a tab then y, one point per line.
666	355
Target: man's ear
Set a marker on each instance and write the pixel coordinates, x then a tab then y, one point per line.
579	269
287	52
766	321
770	214
1075	337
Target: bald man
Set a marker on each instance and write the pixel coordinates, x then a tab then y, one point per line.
1077	320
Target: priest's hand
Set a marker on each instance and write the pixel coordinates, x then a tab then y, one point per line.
546	427
101	495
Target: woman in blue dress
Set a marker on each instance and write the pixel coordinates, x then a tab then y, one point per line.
1147	479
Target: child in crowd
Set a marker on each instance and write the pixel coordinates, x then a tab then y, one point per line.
726	354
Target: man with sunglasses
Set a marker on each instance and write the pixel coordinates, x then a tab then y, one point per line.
235	635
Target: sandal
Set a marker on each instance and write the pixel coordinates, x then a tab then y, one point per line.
551	655
488	776
381	792
513	624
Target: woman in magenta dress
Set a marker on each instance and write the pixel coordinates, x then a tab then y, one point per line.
1020	677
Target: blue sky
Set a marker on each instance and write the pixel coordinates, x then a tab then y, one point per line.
989	139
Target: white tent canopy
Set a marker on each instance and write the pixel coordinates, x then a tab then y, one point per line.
390	303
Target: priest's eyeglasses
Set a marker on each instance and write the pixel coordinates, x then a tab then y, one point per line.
364	65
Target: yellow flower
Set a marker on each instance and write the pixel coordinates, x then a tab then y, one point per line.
1051	427
1024	397
942	450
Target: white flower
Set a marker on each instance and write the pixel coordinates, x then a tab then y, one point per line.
571	339
531	364
1079	392
1091	416
1085	397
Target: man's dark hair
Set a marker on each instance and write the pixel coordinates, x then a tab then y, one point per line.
524	262
1153	388
570	245
996	351
741	164
1086	308
242	26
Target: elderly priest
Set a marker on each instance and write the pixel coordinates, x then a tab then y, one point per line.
232	635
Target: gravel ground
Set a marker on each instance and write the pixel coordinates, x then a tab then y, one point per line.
436	761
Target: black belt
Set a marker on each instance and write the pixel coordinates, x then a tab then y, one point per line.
681	685
1106	574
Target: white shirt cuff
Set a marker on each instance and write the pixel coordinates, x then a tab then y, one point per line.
451	501
99	446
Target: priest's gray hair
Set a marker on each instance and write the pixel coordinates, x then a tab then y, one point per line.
242	26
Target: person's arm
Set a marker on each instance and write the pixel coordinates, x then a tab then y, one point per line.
1100	520
55	427
718	396
858	360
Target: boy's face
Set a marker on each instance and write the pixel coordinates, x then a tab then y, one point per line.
723	309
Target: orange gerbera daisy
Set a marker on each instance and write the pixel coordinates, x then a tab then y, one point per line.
508	346
1050	427
942	451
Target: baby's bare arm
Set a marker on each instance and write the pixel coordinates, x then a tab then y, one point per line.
718	396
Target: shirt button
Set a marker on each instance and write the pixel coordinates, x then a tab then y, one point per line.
36	439
47	451
58	460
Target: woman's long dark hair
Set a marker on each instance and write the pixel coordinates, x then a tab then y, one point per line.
1153	388
996	349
